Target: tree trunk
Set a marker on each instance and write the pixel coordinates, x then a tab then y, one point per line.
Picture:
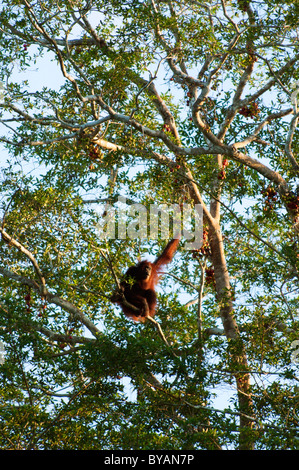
238	359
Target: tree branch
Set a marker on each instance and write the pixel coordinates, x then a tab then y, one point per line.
267	120
8	239
288	144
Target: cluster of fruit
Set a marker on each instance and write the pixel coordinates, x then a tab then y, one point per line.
94	152
292	202
166	128
210	276
205	249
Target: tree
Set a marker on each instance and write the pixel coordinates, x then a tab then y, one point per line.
171	101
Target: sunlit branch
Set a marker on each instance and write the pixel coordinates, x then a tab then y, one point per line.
253	137
53	299
288	144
